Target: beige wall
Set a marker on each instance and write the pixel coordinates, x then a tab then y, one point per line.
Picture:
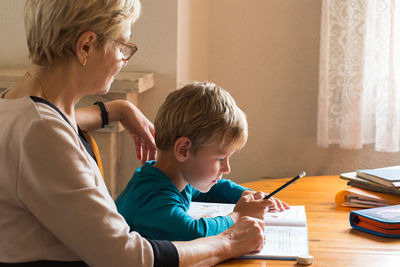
155	33
192	41
13	49
264	52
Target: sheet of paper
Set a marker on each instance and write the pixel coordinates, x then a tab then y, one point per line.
207	209
295	216
286	232
283	243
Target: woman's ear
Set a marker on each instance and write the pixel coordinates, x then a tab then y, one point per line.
85	45
182	148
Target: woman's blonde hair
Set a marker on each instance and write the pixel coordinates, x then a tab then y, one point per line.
54	26
203	112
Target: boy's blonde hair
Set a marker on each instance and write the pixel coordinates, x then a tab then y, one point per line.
53	26
203	112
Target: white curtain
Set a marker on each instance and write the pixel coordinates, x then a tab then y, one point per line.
359	79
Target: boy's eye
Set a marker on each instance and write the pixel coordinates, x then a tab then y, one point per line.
221	159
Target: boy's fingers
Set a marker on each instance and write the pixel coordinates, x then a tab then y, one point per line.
247	192
248	197
282	205
259	195
272	204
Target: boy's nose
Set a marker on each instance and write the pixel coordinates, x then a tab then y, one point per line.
226	168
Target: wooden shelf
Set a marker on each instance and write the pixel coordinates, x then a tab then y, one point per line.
125	82
132	82
8	76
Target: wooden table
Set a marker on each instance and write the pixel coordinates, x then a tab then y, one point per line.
332	242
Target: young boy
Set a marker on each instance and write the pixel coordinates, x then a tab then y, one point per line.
198	128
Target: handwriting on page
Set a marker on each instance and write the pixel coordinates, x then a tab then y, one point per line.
286	231
295	216
285	241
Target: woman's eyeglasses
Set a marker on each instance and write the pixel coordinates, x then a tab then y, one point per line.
127	49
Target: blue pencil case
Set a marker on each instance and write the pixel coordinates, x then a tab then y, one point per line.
382	221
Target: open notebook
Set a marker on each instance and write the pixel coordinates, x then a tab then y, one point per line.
287	235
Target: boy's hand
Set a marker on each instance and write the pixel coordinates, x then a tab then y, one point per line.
251	205
277	205
274	203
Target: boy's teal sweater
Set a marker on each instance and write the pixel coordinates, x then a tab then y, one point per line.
153	206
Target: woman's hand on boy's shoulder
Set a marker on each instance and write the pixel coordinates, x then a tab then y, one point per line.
141	130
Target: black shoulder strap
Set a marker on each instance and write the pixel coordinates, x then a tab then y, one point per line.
81	135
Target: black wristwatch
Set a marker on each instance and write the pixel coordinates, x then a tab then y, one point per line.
104	114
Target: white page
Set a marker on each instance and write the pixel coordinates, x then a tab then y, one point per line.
295	216
207	209
286	232
283	243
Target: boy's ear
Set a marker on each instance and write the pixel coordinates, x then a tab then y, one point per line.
182	148
85	43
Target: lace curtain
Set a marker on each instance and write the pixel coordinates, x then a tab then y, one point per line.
359	79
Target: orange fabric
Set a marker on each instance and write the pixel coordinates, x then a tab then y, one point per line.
96	152
380	227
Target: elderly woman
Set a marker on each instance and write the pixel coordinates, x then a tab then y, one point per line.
55	209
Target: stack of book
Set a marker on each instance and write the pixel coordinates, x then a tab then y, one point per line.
386	180
371	188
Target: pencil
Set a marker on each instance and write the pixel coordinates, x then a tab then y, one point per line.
288	183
